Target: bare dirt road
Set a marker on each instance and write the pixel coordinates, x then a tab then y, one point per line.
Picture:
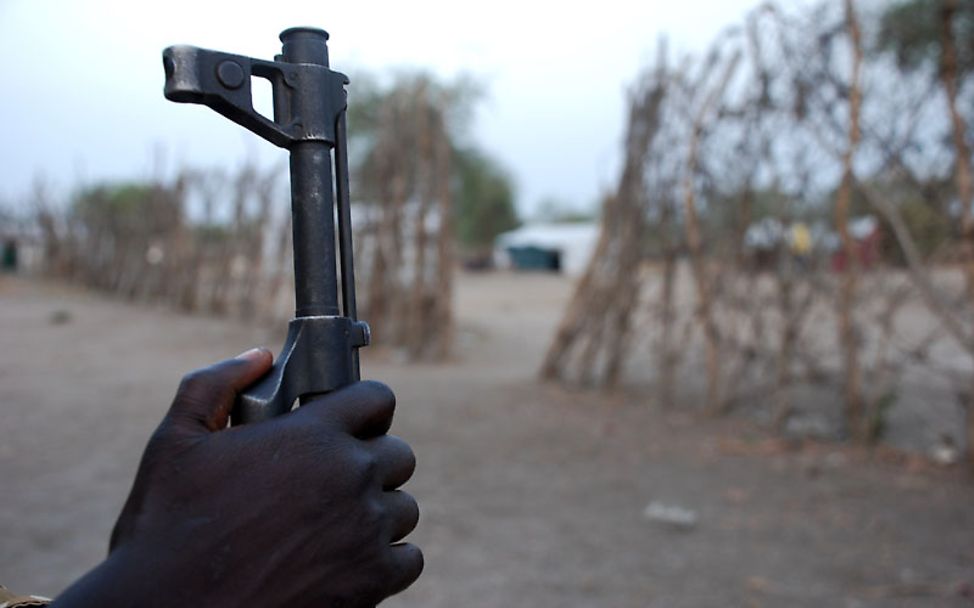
531	495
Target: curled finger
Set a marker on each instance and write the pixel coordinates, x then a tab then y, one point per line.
395	459
402	514
405	565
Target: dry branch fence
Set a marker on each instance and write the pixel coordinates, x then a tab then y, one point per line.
768	244
202	241
220	242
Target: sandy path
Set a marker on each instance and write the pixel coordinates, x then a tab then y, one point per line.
531	496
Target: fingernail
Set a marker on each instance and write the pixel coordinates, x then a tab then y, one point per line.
252	354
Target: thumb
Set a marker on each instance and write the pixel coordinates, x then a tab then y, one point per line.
205	396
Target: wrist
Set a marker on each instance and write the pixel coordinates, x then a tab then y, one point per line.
123	579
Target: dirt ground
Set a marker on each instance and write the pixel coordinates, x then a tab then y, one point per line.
530	495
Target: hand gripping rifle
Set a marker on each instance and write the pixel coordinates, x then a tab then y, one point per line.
321	350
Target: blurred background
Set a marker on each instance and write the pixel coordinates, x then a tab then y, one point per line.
678	300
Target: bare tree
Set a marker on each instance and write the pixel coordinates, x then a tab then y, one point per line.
406	248
703	96
592	339
846	303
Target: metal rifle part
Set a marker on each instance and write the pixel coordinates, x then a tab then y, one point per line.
320	353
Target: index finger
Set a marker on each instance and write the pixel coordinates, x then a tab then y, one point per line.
363	409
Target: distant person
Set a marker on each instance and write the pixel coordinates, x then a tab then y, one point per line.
300	510
800	243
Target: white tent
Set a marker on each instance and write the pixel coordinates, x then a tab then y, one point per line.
572	244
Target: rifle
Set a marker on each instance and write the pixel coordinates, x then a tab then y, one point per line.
320	353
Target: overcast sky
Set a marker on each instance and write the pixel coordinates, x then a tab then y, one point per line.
82	81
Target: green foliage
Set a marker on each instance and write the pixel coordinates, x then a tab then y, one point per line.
877	422
127	209
483	192
555	210
929	227
725	220
484	199
212	233
367	97
111	200
911	31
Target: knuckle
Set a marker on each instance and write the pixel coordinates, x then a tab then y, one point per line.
357	464
381	393
368	466
372	517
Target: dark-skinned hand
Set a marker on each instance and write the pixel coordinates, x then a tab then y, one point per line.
300	510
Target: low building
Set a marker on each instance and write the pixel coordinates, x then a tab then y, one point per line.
564	248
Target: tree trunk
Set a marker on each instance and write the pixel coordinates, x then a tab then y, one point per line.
701	275
846	302
591	342
962	157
